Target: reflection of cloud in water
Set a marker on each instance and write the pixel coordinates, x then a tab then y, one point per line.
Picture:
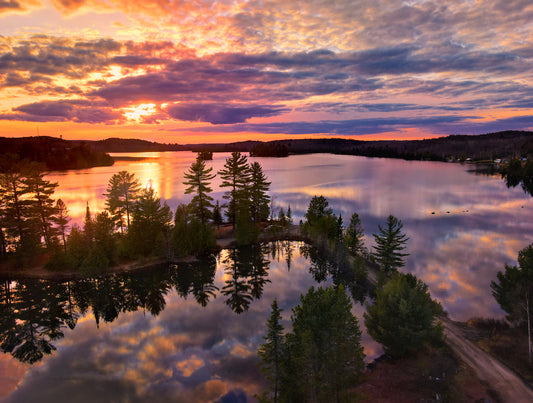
190	353
186	353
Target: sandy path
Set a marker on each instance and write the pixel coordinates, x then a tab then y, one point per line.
498	377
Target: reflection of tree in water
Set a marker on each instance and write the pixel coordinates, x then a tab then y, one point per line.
516	173
343	269
247	272
197	278
34	313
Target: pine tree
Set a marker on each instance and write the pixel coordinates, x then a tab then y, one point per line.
150	225
259	198
389	245
353	239
289	215
121	193
17	218
197	179
217	216
324	357
404	317
61	219
41	205
236	176
271	351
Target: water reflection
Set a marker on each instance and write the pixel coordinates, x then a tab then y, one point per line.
447	211
181	333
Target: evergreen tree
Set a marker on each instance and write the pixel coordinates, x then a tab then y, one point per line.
259	198
271	351
61	219
41	205
150	226
317	209
197	179
321	221
189	236
19	226
404	317
122	191
389	245
289	215
235	176
323	355
514	290
217	216
88	227
353	239
246	232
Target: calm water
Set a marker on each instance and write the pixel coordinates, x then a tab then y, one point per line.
152	338
478	226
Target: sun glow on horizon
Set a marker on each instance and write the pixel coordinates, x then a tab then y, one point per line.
137	113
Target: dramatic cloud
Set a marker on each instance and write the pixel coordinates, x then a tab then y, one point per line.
291	64
220	114
342	127
79	111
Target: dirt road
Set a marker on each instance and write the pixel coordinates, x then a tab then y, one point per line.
501	379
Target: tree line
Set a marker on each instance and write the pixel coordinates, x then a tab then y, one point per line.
135	222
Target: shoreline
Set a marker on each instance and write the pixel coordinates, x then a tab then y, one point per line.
291	233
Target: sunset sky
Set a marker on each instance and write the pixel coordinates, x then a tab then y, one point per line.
217	71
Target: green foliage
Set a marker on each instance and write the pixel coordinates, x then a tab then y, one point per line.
322	358
245	230
17	219
404	317
271	351
235	176
41	205
150	227
258	193
61	219
189	236
217	216
320	219
198	178
515	174
318	208
76	246
353	239
514	287
122	191
390	242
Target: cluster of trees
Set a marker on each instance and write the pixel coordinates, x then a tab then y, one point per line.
325	338
246	204
518	173
326	229
269	150
30	219
53	153
322	358
135	222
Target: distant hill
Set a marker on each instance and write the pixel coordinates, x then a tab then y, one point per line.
52	152
116	145
64	154
506	144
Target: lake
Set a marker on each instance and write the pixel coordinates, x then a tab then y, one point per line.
152	338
